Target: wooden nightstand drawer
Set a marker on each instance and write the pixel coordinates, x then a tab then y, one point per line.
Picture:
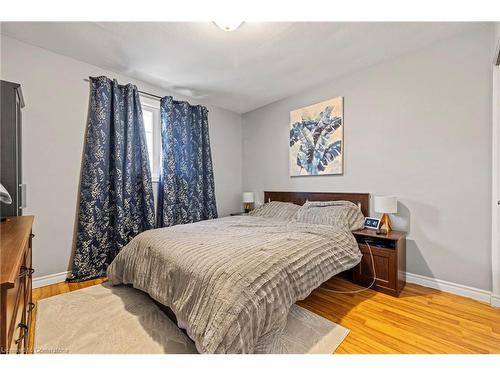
389	261
384	261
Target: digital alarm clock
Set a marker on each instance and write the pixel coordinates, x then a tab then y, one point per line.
372	223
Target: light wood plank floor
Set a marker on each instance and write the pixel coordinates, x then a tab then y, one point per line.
421	320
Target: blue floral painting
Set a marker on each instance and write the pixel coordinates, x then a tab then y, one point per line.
317	139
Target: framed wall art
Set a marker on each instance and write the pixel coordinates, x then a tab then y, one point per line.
317	139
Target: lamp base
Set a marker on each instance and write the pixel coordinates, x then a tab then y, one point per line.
385	223
248	207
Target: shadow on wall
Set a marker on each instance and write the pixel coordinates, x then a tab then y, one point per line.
77	213
401	220
415	259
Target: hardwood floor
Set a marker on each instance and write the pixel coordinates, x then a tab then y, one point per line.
421	320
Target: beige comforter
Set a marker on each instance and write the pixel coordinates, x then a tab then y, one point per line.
232	281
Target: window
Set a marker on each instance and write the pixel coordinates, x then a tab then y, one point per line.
151	117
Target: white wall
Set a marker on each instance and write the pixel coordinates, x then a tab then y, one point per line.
54	122
496	41
418	127
495	197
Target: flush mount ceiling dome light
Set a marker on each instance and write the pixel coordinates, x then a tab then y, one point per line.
228	25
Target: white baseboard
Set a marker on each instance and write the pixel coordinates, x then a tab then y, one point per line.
447	286
50	279
495	300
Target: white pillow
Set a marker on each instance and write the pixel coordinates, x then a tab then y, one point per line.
341	213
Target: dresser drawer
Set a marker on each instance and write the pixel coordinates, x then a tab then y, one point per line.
28	271
19	341
15	297
15	283
12	303
28	305
19	323
17	320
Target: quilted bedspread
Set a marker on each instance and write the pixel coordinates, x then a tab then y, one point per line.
231	281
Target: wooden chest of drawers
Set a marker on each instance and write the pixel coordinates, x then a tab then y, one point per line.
15	284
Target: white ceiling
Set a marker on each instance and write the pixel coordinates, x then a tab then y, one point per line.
255	65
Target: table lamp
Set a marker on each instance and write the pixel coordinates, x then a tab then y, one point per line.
248	199
385	206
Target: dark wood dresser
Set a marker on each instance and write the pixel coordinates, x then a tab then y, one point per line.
15	284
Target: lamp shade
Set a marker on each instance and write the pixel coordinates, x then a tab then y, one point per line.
385	205
248	197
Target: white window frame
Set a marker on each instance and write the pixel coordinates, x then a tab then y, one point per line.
154	106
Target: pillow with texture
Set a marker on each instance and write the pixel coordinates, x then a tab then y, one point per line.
341	213
277	210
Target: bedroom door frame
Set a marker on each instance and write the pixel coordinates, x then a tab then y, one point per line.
495	191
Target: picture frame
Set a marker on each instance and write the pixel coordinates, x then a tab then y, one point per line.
316	143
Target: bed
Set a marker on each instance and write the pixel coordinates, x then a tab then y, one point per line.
231	281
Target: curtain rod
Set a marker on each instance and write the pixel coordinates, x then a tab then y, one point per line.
141	92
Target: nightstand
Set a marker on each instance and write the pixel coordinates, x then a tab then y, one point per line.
239	214
389	257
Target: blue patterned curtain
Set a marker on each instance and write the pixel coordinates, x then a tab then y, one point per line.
116	193
186	193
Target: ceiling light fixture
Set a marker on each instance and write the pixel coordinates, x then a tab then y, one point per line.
228	25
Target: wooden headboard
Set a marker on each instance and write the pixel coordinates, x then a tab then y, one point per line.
361	199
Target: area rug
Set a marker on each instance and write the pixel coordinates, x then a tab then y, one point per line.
122	320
